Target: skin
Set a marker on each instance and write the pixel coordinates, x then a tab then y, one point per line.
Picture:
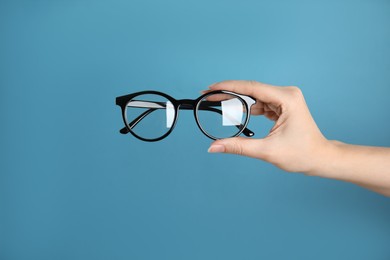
296	144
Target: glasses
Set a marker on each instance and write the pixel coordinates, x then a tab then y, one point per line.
152	115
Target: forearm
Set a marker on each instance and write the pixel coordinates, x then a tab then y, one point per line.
362	165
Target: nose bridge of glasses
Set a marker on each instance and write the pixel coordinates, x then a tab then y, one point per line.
186	104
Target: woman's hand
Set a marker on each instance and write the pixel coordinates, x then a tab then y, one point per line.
296	144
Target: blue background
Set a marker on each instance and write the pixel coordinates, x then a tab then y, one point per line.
72	187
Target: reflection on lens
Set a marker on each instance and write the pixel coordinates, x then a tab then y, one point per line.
150	116
222	115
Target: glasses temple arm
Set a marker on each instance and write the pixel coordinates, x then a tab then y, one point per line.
133	123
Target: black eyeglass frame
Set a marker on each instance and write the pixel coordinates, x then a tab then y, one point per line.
182	104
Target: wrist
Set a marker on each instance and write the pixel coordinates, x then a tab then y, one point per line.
326	158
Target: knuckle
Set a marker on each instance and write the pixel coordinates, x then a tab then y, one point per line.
294	95
252	83
236	148
295	91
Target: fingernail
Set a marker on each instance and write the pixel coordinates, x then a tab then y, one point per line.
216	148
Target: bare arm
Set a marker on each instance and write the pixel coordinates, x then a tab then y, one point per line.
296	144
366	166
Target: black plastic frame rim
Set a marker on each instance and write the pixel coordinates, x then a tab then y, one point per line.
149	92
196	110
122	101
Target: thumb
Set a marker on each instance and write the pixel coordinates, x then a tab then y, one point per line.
238	145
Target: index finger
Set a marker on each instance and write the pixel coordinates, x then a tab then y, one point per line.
263	92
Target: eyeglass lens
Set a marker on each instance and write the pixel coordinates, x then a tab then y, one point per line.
150	116
221	115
